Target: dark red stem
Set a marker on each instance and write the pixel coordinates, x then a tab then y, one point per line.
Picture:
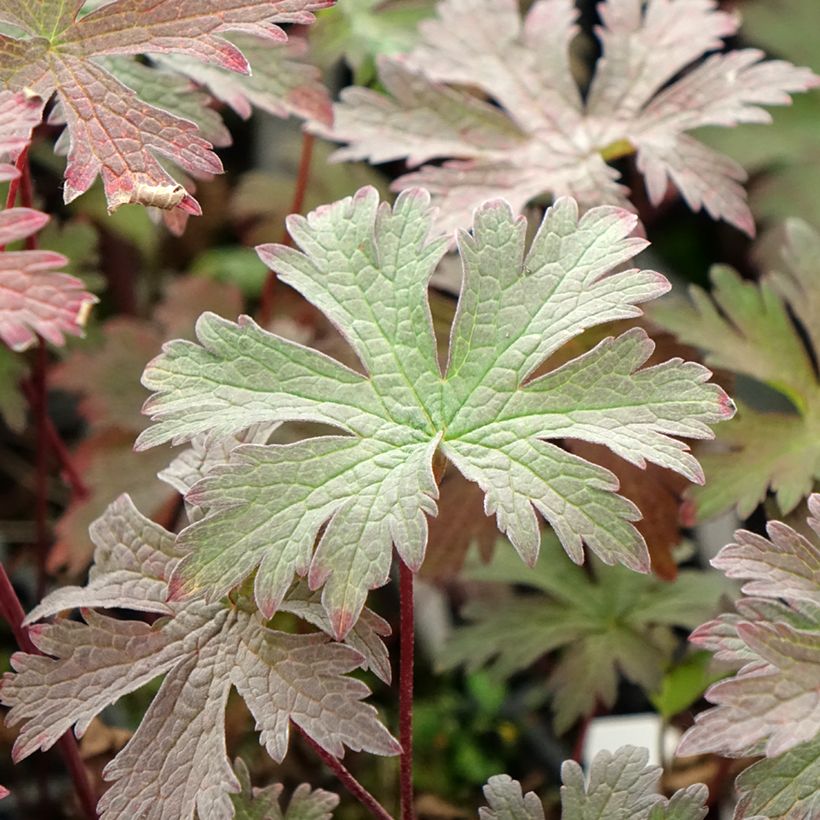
347	780
296	205
58	446
406	657
12	612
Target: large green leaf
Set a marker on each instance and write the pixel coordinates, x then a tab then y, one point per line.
367	267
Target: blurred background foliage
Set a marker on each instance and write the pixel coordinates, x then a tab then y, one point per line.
471	723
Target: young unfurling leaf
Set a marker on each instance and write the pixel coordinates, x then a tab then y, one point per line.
176	763
367	267
543	137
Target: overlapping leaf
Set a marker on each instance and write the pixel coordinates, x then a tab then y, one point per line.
616	623
544	138
771	705
367	267
621	786
34	297
750	329
507	801
19	113
176	760
264	804
360	30
112	132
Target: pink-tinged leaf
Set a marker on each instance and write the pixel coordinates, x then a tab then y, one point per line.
541	138
112	132
280	84
20	112
176	760
34	298
772	704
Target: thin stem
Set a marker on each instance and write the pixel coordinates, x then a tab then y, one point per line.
12	612
41	479
58	446
347	780
406	657
296	205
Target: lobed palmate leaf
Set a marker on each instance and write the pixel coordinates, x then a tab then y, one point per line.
543	137
112	132
600	625
770	332
367	267
770	706
34	297
176	762
264	804
620	786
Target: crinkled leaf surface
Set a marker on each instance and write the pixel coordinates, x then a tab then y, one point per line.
507	801
34	297
616	622
749	329
264	804
280	83
543	138
175	762
621	786
367	268
782	787
772	704
112	132
19	113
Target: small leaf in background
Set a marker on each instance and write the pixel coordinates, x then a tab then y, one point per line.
106	377
176	759
684	684
601	626
507	801
358	31
264	804
20	112
621	786
543	137
784	156
57	53
371	486
34	298
749	329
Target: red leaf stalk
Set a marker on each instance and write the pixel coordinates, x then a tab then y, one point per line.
347	780
12	612
406	658
296	206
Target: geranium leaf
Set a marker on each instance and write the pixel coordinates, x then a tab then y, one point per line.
367	268
34	298
621	786
770	705
19	114
280	84
112	132
264	804
781	788
543	138
203	650
615	622
507	801
748	328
